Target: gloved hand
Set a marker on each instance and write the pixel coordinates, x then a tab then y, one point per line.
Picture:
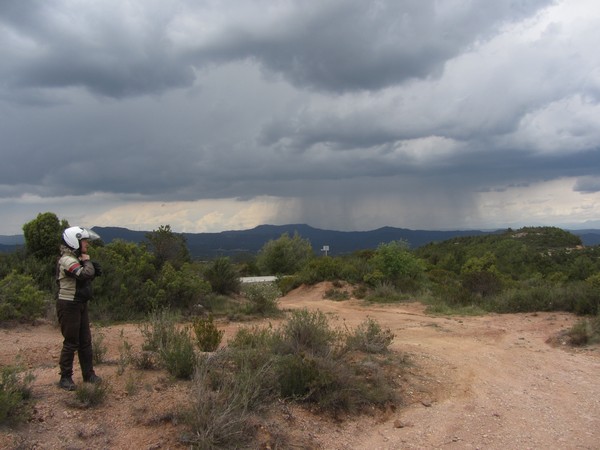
97	268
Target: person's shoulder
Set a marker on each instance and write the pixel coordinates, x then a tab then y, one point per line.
68	259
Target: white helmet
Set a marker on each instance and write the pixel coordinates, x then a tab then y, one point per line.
71	236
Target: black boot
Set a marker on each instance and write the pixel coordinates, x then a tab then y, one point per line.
66	383
93	378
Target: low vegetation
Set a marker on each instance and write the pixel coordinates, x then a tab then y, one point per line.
15	394
306	360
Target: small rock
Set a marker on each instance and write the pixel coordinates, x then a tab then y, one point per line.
399	423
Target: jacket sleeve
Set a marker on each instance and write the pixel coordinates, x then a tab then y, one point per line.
81	270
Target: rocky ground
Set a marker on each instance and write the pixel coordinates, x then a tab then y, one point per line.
489	382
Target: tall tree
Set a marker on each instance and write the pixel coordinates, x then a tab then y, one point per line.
168	246
43	235
285	255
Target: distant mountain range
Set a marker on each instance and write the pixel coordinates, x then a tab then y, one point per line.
230	243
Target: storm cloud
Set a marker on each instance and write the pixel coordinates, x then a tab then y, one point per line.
341	114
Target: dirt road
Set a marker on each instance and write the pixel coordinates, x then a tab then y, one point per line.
491	382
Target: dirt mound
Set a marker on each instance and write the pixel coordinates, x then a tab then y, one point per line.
489	382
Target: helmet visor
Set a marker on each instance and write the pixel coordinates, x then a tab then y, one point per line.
90	234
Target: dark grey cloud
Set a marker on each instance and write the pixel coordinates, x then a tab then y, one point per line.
120	49
344	45
362	112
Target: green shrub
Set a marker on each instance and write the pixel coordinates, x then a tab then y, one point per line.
284	256
585	331
262	298
298	376
260	338
92	394
231	386
222	276
158	328
385	292
208	336
20	299
307	331
15	393
223	401
369	337
288	283
99	349
578	297
177	354
336	295
321	269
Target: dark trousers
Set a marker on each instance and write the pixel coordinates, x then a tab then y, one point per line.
75	328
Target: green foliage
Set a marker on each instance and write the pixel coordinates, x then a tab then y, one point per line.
482	283
262	299
253	338
222	276
584	332
260	365
307	332
167	246
369	337
173	344
15	393
288	283
92	394
385	292
517	255
336	294
43	235
177	354
536	298
20	299
157	329
284	256
208	336
224	399
180	289
396	263
132	286
128	288
324	268
594	280
99	348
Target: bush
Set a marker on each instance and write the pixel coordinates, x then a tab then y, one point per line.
222	276
284	256
158	328
262	298
20	299
385	292
99	349
15	393
231	386
92	394
223	400
174	346
308	332
208	336
584	332
578	297
177	354
369	337
336	295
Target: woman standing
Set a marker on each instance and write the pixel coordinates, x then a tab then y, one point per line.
74	275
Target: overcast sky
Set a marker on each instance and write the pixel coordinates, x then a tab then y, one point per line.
342	114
